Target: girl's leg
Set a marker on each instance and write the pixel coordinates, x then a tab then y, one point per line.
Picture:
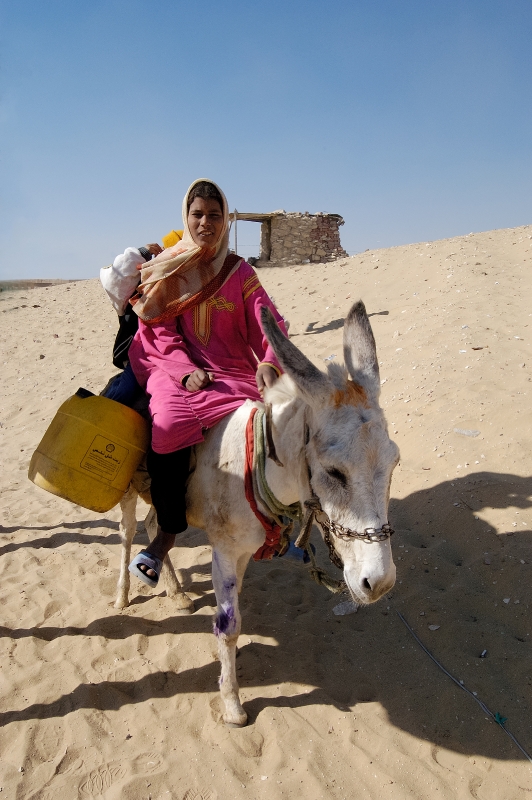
123	388
174	424
168	473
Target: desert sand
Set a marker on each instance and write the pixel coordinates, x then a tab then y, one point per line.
101	703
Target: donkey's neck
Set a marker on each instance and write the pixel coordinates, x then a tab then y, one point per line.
288	431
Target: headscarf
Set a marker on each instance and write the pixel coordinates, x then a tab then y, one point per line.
186	274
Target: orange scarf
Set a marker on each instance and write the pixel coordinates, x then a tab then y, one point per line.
186	274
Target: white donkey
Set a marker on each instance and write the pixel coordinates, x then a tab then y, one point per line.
333	453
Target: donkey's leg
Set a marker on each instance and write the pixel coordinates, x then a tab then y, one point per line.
173	588
227	629
127	530
241	565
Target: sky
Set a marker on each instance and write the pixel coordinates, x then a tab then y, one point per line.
410	118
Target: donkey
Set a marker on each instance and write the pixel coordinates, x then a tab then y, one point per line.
332	449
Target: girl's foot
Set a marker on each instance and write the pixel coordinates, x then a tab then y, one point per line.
148	563
146	567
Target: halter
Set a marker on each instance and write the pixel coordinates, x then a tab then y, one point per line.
315	512
330	527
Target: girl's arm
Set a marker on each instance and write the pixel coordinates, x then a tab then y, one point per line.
162	345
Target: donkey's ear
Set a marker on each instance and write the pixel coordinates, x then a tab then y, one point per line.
310	381
360	353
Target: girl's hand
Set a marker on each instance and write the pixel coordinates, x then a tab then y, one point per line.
198	379
265	377
154	249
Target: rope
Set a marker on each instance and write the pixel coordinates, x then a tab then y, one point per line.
498	718
270	501
279	512
303	539
316	572
271	528
323	578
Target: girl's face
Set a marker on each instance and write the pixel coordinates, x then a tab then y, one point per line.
205	221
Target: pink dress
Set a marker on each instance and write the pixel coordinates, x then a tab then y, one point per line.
222	336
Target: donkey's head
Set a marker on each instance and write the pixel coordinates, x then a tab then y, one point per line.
349	454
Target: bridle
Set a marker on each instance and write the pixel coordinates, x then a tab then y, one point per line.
331	528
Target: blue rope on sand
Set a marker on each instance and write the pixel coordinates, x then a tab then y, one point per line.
498	718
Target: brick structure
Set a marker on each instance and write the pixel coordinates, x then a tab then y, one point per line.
289	237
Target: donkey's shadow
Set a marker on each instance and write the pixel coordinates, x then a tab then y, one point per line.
453	570
443	578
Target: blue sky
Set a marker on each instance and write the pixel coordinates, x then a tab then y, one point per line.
410	118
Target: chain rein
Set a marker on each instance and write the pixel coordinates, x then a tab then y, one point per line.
329	527
369	534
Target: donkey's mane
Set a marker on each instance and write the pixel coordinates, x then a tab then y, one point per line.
338	375
283	391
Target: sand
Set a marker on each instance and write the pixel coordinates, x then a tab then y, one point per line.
100	703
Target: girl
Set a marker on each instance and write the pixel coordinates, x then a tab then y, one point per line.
199	353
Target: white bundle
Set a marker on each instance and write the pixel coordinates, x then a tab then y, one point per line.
121	278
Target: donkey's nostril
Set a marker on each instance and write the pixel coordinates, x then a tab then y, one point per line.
366	584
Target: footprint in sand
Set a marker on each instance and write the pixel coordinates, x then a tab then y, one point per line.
101	779
71	763
146	763
48	517
52	608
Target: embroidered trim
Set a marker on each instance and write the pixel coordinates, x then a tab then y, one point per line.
203	316
250	285
252	278
202	323
221	304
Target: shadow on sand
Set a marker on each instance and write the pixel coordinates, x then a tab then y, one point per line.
443	578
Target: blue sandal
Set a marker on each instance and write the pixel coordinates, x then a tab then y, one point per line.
151	562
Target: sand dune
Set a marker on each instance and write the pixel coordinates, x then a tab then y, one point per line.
100	703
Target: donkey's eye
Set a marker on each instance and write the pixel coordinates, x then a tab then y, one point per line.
337	475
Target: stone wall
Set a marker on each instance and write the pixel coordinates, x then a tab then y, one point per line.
295	238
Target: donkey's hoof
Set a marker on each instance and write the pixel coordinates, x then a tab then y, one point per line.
184	612
236	720
121	603
184	604
236	724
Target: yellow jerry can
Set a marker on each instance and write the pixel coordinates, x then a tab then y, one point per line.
90	451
